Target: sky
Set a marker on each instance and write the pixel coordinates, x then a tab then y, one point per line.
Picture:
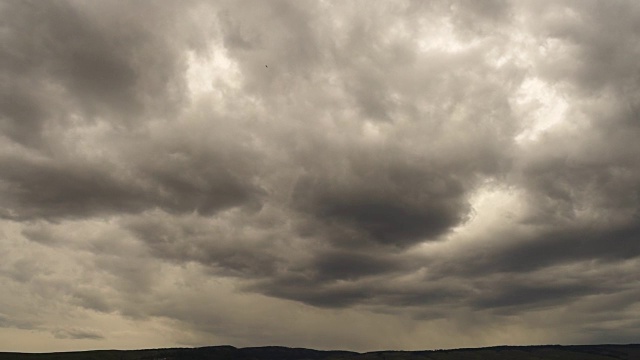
357	175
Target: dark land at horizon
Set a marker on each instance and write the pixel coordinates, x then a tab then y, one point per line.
538	352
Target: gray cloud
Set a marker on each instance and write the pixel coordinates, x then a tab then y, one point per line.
458	165
86	62
10	322
76	334
58	188
391	205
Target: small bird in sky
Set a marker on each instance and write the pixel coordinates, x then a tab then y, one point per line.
266	66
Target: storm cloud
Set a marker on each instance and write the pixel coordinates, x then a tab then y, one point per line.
356	175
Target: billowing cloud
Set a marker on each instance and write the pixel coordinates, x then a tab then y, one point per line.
348	175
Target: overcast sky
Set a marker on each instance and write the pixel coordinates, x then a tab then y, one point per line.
358	175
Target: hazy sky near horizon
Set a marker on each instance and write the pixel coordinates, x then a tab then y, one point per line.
353	175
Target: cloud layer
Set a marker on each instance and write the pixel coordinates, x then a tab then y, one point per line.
333	175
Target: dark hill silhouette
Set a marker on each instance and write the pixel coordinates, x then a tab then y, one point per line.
556	352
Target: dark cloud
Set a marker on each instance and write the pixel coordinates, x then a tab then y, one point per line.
522	296
451	165
58	189
349	265
376	290
391	206
85	62
87	67
330	295
36	189
227	249
548	248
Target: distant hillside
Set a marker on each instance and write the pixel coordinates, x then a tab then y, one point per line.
578	352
